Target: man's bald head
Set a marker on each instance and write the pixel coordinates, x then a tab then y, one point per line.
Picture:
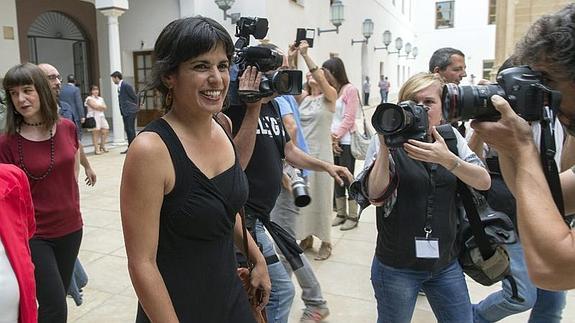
53	76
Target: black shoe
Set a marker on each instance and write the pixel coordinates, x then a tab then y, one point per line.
125	151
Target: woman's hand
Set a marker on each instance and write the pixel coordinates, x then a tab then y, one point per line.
335	147
303	46
436	152
250	79
261	284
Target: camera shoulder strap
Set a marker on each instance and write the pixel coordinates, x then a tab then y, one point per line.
446	131
547	152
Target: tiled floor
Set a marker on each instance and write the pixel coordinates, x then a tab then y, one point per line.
344	277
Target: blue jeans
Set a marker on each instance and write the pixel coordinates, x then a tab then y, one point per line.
283	291
546	306
285	214
396	293
79	281
383	95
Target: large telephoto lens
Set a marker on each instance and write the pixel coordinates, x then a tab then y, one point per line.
464	102
390	118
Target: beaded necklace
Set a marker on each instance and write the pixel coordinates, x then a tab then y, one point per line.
37	124
21	158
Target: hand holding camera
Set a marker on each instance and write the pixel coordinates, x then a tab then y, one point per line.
250	82
431	152
302	48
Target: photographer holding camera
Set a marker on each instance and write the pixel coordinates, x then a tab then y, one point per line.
546	306
263	144
549	244
416	216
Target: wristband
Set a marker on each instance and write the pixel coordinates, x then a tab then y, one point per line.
455	166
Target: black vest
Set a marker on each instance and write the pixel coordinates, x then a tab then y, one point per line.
415	197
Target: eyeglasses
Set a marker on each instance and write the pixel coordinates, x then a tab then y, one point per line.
53	77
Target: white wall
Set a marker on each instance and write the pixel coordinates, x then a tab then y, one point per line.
471	34
9	48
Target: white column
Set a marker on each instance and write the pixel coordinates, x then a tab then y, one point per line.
115	65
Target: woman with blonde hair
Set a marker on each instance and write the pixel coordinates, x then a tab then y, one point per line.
416	216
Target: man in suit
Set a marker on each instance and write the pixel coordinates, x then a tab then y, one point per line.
128	106
70	94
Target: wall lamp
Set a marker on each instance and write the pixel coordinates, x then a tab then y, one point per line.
336	17
225	5
366	30
414	53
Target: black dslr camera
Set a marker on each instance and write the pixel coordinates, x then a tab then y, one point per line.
401	122
265	59
520	86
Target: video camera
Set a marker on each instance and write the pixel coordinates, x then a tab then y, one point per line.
266	60
520	86
401	122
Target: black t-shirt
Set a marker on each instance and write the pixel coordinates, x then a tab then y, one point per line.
264	170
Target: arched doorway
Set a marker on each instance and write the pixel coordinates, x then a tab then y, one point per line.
56	39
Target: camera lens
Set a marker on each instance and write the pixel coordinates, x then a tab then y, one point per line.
464	102
282	82
390	118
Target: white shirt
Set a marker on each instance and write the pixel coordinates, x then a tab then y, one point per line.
9	290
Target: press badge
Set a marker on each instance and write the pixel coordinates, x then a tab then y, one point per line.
426	247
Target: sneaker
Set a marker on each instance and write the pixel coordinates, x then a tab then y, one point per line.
314	314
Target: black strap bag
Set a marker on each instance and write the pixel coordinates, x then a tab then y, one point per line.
483	232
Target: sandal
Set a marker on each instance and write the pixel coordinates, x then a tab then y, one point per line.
306	243
324	251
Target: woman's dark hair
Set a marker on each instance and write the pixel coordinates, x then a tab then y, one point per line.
94	86
181	40
335	66
29	74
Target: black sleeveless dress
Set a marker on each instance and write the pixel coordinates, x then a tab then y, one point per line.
196	255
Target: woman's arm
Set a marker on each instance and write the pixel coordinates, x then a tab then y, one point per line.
378	178
93	104
437	152
260	278
141	196
329	92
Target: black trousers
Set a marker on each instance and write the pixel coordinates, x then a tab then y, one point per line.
366	98
54	263
344	159
130	126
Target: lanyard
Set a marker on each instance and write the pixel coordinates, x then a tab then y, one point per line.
430	200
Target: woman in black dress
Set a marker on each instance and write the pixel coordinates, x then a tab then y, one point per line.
182	187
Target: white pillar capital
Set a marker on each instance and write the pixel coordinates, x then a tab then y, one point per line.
112	12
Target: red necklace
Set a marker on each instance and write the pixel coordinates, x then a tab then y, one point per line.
21	159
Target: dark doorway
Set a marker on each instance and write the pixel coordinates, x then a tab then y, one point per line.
56	39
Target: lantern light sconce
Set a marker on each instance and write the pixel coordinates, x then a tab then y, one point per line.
225	5
366	30
336	17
